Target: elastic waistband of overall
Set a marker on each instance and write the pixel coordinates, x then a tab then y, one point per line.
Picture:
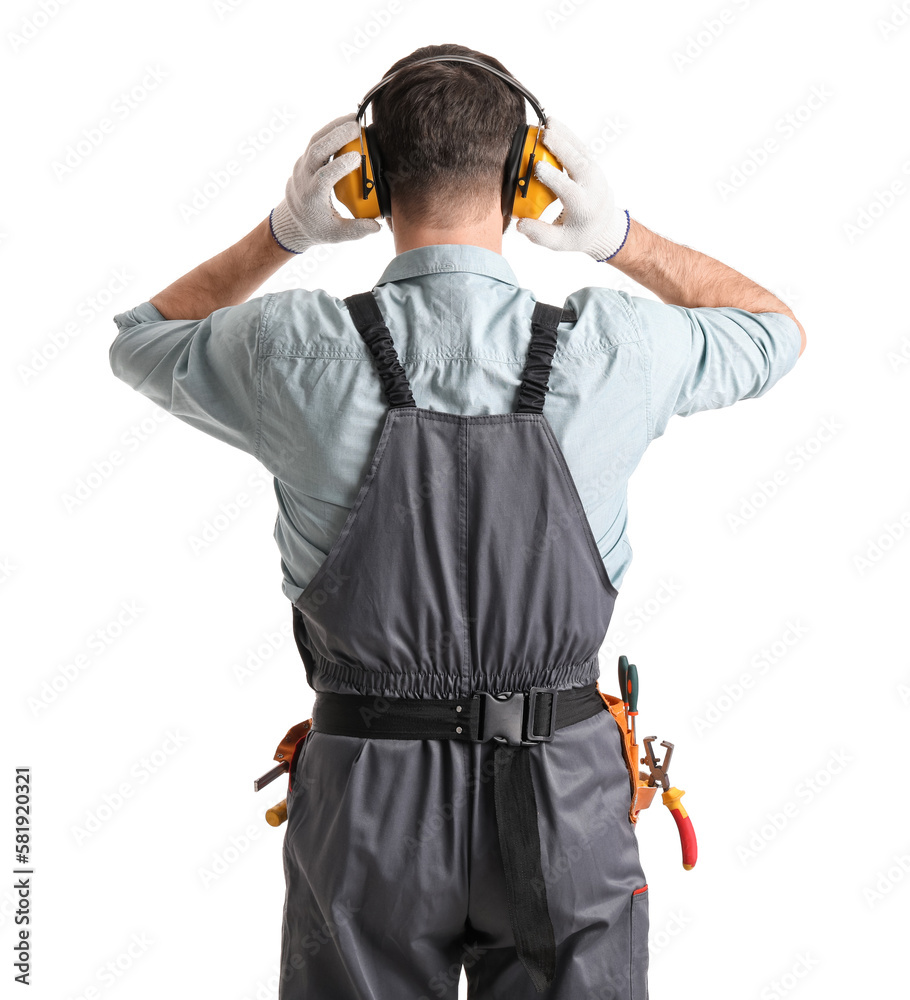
398	680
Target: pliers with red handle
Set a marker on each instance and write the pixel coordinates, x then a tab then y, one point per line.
670	798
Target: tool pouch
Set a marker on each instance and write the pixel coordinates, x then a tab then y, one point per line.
642	794
286	755
290	744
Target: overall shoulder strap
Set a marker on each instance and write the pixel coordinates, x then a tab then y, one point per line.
534	385
367	317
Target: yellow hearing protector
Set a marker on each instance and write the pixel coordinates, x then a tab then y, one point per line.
365	191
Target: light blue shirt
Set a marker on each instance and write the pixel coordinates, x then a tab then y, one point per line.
287	378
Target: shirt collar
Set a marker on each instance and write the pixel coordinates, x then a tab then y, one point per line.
448	257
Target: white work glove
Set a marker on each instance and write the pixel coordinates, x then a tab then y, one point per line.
306	217
589	221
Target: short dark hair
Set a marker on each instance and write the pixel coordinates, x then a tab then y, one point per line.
445	127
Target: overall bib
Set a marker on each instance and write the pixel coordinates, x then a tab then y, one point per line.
416	847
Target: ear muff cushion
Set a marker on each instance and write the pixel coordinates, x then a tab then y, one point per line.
512	168
383	196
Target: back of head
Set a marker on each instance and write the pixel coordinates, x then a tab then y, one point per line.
445	130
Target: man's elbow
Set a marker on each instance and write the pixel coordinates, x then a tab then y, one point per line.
114	357
122	364
802	332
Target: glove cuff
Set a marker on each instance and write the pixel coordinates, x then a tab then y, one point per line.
613	239
285	230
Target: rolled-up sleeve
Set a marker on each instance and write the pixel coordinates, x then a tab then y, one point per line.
205	371
708	358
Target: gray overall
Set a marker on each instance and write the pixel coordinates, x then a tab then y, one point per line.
466	565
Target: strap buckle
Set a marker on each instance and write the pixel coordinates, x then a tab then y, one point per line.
508	717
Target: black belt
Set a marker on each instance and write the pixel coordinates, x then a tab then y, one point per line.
515	720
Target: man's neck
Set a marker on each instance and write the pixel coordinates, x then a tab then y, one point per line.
485	233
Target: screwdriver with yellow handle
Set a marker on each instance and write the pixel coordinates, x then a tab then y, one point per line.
277	814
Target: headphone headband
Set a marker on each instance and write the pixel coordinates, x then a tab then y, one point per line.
531	99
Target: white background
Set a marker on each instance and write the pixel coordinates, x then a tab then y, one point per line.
796	783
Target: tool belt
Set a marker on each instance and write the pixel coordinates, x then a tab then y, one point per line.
641	793
514	720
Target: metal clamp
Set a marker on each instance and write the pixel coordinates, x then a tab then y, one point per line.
508	717
657	771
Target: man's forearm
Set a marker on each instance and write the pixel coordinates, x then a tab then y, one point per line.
227	279
681	276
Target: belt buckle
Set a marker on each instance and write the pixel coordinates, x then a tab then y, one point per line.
532	705
508	717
